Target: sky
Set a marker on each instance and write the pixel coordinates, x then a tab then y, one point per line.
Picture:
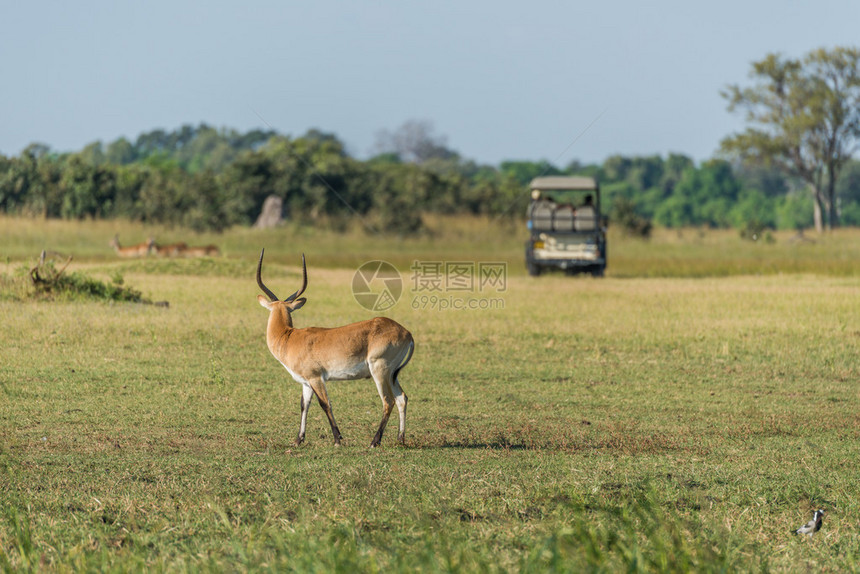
499	80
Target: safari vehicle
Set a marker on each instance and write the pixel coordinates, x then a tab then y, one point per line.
567	230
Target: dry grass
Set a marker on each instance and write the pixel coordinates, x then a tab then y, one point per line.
670	253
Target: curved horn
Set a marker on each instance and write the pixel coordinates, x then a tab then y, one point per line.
304	282
272	296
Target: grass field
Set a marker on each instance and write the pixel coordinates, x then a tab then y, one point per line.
682	414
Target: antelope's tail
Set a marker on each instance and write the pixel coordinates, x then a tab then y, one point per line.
405	361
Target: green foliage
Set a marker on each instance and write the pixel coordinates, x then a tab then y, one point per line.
525	171
752	206
753	230
625	216
794	211
87	190
77	285
848	192
209	180
399	193
47	282
701	197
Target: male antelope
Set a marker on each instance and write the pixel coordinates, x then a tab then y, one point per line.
172	250
139	250
376	348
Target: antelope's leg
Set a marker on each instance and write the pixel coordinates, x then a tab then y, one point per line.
307	399
382	377
319	390
401	399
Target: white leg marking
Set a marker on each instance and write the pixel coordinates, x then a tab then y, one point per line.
307	399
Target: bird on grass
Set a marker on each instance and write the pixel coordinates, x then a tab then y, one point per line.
813	525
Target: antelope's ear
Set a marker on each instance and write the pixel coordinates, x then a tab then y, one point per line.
264	302
297	304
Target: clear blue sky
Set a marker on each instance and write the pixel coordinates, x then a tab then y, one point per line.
501	79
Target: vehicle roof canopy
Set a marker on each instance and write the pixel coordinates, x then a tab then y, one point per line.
564	183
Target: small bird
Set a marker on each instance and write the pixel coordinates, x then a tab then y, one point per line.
813	525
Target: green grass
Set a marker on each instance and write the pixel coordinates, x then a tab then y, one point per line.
721	253
622	424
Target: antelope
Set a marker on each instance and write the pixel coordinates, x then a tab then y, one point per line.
376	348
205	251
172	250
139	250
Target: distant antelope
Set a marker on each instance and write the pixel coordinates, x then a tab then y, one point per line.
139	250
172	250
204	251
377	348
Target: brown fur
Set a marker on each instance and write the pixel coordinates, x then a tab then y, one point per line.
182	249
139	250
205	251
172	250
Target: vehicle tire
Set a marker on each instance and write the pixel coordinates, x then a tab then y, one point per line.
597	271
533	269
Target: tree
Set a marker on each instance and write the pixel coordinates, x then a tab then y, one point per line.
92	154
398	192
804	117
37	151
673	168
120	152
414	142
525	171
702	196
87	190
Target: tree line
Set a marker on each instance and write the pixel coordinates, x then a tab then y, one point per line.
210	179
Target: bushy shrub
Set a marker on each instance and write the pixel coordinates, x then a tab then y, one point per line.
632	224
48	281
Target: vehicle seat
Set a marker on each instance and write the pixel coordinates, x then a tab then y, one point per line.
542	215
586	218
563	218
